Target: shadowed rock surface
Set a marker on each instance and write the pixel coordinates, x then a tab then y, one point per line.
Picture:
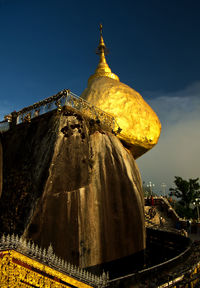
1	166
68	183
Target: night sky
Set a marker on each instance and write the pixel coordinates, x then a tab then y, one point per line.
49	45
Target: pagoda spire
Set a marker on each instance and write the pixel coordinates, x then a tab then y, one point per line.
102	69
102	50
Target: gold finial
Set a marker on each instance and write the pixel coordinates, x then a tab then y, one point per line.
101	49
102	69
101	28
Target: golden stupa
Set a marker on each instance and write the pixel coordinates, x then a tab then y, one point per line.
139	123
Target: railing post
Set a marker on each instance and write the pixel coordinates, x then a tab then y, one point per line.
14	119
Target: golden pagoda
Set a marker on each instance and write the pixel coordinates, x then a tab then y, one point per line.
139	125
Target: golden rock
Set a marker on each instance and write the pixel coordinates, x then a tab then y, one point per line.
139	123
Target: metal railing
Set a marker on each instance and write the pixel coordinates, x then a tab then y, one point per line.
4	126
160	269
47	256
61	99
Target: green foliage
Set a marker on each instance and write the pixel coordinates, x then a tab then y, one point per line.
182	211
146	191
187	191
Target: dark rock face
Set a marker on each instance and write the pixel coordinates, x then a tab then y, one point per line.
73	185
1	166
27	154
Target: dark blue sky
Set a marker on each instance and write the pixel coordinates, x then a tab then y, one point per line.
49	45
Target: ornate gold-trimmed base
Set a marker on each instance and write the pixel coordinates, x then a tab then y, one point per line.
18	270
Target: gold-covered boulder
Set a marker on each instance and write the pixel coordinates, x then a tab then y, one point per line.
139	123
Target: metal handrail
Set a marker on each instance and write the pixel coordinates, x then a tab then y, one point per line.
61	99
4	126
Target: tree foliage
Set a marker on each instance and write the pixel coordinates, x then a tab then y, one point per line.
186	191
182	211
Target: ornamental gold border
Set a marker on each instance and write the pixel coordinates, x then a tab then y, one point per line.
13	274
